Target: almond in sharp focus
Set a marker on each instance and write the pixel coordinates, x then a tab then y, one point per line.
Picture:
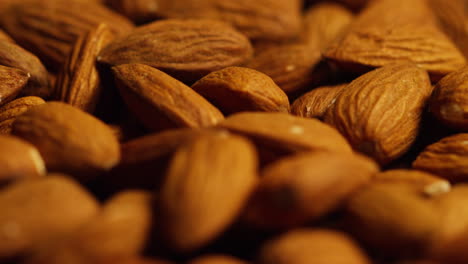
390	31
12	81
38	209
380	112
185	49
315	103
68	139
305	246
78	83
446	158
238	89
207	185
305	187
449	100
161	101
15	108
50	28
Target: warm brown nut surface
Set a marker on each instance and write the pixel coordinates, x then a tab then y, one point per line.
217	259
14	56
68	139
50	28
135	260
285	132
380	112
33	211
118	231
207	184
315	103
78	83
12	81
15	108
449	100
19	159
446	158
185	49
391	31
291	191
392	219
161	101
237	89
305	246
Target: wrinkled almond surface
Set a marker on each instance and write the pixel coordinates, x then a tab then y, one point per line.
315	103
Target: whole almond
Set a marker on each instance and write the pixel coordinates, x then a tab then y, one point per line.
185	49
446	158
305	187
19	159
15	108
315	103
207	184
38	209
78	83
390	31
217	259
237	89
448	102
50	28
119	230
380	112
62	135
305	246
12	81
161	101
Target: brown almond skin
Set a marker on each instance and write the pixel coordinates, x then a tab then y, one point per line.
79	83
291	191
185	49
34	211
62	134
50	28
120	230
135	260
12	55
446	158
390	31
238	89
12	81
5	37
19	160
448	102
392	219
161	101
217	259
305	246
380	112
15	108
315	103
207	185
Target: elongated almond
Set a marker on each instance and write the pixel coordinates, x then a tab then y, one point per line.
62	135
238	89
161	101
12	81
315	103
78	83
185	49
380	112
207	185
15	108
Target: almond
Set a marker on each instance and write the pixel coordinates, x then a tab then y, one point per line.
12	81
448	102
78	83
217	259
315	103
305	246
446	158
135	260
161	101
15	108
207	184
380	112
237	89
36	210
305	187
62	135
390	31
185	49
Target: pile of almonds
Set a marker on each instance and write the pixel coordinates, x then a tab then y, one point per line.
233	131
